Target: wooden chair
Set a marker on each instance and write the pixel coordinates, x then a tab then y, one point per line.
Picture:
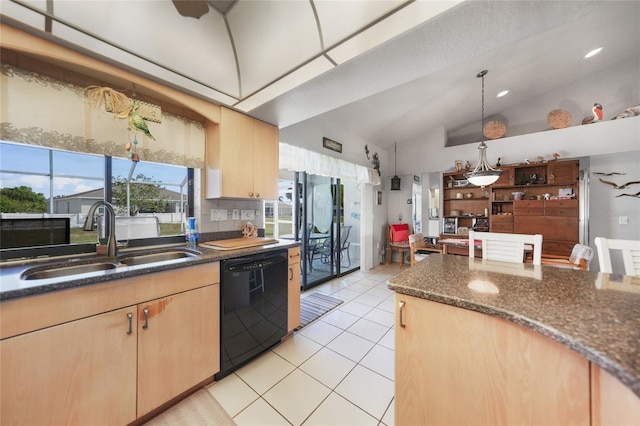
398	241
630	255
506	247
580	258
416	242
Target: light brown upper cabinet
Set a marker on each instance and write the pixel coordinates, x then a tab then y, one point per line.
242	158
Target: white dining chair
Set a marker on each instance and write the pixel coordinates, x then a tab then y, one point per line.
506	247
630	254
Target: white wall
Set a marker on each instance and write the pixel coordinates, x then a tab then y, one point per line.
606	207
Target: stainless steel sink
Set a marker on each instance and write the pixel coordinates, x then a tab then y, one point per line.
101	265
64	271
144	259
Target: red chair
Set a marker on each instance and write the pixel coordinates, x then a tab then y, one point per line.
398	241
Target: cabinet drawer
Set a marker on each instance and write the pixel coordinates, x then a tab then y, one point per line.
556	228
561	204
294	255
502	227
560	212
528	207
561	208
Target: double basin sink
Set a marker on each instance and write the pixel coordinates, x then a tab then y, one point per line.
99	266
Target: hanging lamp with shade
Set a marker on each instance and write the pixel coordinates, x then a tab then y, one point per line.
483	174
395	180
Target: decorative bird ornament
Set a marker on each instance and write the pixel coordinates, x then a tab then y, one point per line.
608	174
637	195
616	186
598	114
137	122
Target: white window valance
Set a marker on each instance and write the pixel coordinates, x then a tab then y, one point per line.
299	159
43	111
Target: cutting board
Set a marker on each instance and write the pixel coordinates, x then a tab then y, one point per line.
238	243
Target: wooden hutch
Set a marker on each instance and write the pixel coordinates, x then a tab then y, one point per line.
549	205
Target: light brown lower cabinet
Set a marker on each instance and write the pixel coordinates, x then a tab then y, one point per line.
88	360
458	367
293	305
82	372
612	402
178	348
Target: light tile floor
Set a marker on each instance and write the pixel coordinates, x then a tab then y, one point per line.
338	370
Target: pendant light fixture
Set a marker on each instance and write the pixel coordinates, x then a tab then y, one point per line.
483	174
395	180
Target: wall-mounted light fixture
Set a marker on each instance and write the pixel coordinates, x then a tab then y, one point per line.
395	180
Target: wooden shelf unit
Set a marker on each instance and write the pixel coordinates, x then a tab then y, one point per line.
556	219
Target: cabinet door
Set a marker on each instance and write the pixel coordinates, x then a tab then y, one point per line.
612	403
553	228
456	366
82	372
506	177
563	172
293	316
502	223
265	160
179	347
528	207
236	154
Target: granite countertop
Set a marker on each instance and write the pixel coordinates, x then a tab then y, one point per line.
595	314
13	286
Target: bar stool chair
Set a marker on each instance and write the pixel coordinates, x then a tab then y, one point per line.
630	255
506	247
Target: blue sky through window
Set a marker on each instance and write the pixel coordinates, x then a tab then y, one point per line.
73	172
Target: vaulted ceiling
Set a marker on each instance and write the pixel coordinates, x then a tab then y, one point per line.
376	71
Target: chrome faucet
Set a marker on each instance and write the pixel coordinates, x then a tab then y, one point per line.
112	249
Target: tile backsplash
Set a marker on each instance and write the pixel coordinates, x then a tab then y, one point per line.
218	215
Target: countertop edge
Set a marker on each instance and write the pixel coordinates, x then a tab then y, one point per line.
206	255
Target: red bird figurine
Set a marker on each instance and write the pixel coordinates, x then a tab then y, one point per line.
597	114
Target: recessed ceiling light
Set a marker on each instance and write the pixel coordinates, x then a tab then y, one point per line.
594	52
501	94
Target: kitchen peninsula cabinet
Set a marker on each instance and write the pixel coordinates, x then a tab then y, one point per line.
480	342
242	158
293	316
84	356
500	373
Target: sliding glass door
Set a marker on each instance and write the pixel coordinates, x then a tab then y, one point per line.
330	237
323	213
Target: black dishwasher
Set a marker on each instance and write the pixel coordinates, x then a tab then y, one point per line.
253	307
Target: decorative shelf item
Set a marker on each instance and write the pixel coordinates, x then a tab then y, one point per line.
559	119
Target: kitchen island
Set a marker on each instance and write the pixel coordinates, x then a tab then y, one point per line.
482	342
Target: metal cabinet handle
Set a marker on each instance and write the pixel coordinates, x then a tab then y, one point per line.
290	274
251	194
130	316
401	320
257	195
146	318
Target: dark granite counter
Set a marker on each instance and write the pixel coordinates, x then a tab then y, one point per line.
12	285
595	314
